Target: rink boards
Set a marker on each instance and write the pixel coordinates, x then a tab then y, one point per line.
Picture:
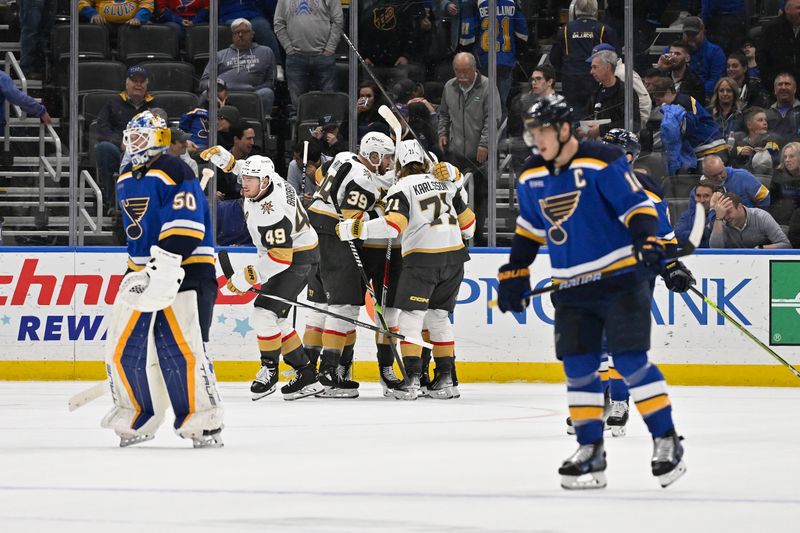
53	303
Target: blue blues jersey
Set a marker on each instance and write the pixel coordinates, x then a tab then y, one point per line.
195	122
665	234
163	204
510	24
582	212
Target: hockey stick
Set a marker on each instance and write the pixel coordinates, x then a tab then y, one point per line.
741	328
695	236
207	175
394	124
227	270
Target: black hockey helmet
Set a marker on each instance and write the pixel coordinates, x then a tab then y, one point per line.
552	110
627	140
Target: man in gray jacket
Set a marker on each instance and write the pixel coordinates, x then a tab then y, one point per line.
737	226
245	66
309	32
464	128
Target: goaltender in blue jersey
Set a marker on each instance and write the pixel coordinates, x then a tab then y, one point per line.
155	355
585	203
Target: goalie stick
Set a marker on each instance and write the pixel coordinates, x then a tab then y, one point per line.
228	270
688	248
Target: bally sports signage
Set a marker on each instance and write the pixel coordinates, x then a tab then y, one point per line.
53	303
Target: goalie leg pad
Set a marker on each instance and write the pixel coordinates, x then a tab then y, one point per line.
135	382
188	373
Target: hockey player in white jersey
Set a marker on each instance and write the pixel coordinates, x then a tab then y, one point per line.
351	183
287	253
433	220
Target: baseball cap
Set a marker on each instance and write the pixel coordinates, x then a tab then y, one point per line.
602	47
327	122
221	84
693	24
229	113
138	70
178	134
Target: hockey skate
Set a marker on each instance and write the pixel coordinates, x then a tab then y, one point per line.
336	384
304	383
393	387
667	462
410	391
209	439
618	418
265	383
442	388
585	469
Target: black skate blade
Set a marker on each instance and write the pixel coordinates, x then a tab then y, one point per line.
305	392
258	395
592	480
673	475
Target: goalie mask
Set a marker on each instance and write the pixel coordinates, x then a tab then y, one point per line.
376	143
257	166
146	136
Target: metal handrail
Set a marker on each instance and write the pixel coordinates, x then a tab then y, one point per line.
96	227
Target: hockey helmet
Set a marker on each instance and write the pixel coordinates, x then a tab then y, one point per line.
552	110
146	136
409	152
258	166
627	140
375	142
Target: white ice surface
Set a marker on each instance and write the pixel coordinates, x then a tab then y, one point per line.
485	462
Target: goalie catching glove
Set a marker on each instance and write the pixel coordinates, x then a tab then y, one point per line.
219	157
155	286
515	281
242	281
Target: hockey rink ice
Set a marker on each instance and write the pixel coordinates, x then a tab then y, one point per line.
484	462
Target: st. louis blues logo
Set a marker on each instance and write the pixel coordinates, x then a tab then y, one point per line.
135	208
557	209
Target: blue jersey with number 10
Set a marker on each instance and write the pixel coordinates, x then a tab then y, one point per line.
164	205
582	212
510	23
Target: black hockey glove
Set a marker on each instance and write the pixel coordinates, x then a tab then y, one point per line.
677	277
515	280
650	254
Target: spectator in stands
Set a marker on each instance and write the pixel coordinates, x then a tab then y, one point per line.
708	59
784	115
309	32
675	62
785	186
751	92
387	36
779	49
422	121
749	52
725	20
222	95
367	106
116	12
688	131
608	101
36	19
543	81
244	136
10	92
196	123
179	147
111	122
573	46
327	133
305	185
511	27
255	12
246	66
228	117
726	109
757	150
738	180
180	14
737	226
701	195
464	127
645	104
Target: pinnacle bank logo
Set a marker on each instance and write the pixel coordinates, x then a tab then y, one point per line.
784	303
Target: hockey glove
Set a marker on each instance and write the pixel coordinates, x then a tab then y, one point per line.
677	277
241	281
351	229
219	157
446	172
515	280
650	254
165	276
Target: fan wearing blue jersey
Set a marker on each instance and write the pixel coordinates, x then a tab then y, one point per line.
591	211
155	355
511	26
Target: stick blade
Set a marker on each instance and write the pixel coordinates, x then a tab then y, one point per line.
86	396
225	263
391	120
698	226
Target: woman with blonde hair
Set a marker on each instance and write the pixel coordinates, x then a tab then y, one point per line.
726	108
785	188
